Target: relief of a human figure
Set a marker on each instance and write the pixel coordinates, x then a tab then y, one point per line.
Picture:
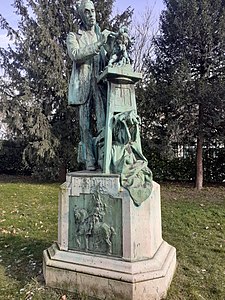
85	48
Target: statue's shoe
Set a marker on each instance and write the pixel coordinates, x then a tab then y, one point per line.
90	168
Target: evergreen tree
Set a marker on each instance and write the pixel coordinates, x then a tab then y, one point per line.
37	69
190	70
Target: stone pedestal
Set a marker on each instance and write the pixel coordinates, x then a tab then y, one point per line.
108	247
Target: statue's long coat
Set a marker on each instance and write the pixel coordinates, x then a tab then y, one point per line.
82	54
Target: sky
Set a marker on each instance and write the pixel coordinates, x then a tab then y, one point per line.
139	7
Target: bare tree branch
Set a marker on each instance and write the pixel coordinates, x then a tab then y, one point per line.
143	29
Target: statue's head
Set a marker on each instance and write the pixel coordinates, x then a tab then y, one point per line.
87	14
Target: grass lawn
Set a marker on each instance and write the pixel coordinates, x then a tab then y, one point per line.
193	222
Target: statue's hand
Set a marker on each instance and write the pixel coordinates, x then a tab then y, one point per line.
109	40
102	40
108	34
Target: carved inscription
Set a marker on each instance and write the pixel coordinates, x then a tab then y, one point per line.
88	185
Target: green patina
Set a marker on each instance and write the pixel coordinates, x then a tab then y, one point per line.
123	153
95	224
102	86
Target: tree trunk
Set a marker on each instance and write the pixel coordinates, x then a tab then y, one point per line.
199	164
199	158
62	173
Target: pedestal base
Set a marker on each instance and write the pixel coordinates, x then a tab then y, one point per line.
110	278
108	247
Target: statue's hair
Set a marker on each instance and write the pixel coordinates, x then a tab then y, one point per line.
81	3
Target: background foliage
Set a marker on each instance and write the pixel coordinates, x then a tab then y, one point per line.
180	100
36	71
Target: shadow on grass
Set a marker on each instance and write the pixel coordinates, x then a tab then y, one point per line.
22	260
22	257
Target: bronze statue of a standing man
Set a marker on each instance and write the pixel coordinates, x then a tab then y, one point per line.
85	48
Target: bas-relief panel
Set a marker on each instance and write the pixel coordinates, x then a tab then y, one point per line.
95	223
